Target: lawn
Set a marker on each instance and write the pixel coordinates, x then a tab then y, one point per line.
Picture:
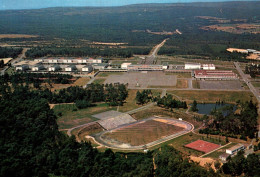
180	75
213	96
256	84
69	116
106	74
99	81
10	70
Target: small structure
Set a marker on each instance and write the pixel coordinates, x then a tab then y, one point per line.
235	149
208	67
21	67
37	67
223	157
165	65
87	68
125	65
54	68
70	68
251	50
99	65
192	66
53	61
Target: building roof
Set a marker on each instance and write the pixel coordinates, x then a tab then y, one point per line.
236	147
224	155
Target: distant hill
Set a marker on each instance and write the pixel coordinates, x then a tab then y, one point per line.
115	24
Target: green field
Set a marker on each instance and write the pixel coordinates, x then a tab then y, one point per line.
213	96
106	74
256	84
99	81
71	116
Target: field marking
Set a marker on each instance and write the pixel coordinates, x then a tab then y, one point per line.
215	150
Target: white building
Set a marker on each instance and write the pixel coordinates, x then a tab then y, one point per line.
125	65
192	66
54	68
70	68
37	67
208	67
53	61
21	67
87	68
235	149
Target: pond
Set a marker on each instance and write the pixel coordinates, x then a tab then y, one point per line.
206	108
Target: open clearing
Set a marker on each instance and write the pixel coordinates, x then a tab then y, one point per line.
2	36
213	96
71	116
228	85
144	79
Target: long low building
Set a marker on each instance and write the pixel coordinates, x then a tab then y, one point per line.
62	60
145	67
215	75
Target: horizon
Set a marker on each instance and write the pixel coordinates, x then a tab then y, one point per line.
38	4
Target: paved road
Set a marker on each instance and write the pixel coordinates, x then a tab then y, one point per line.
150	59
251	87
19	58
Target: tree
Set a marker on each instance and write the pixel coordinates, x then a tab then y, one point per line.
194	106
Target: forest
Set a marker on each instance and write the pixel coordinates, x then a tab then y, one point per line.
86	51
9	52
242	125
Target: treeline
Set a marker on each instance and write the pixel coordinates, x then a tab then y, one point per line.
169	102
37	78
9	52
253	70
32	145
234	124
86	51
143	97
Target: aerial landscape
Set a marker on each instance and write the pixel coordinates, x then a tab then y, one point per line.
129	88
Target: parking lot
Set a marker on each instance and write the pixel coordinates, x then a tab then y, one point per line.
143	79
224	85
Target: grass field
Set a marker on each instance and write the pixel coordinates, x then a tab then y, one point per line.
256	84
72	117
10	70
99	81
213	96
180	75
143	132
106	74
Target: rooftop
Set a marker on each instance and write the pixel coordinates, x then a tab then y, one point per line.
236	147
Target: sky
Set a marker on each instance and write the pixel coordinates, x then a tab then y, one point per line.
35	4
